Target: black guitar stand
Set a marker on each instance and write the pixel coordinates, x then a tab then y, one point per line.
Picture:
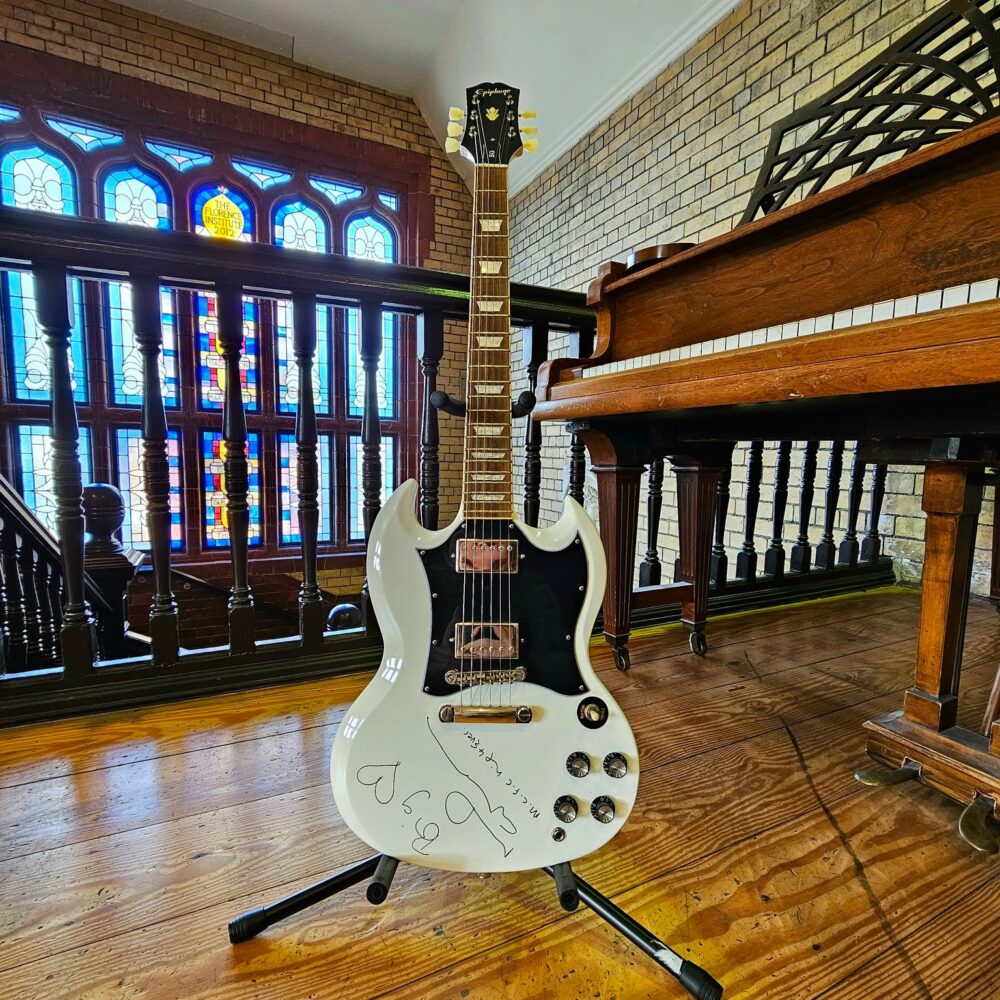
571	889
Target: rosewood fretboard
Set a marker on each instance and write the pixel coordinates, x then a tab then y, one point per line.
487	478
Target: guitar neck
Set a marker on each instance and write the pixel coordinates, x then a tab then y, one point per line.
487	484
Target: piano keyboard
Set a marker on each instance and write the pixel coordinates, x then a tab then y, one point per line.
912	305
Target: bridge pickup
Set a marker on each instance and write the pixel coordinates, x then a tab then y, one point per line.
466	678
468	713
487	640
486	555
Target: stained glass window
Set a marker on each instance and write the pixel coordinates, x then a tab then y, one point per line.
37	178
369	237
336	191
288	457
213	450
356	525
385	379
211	367
125	359
8	114
128	453
87	137
218	210
263	176
390	200
137	197
288	371
35	459
300	226
29	353
180	158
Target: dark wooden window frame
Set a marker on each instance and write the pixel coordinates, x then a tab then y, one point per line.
45	85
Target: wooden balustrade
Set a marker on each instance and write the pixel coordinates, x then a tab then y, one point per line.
49	599
535	351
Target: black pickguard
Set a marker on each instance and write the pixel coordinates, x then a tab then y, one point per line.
544	598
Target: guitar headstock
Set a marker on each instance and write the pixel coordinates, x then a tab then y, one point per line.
492	131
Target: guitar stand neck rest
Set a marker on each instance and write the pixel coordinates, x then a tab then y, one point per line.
570	888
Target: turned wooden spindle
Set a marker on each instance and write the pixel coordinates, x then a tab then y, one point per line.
536	350
430	349
801	556
15	626
650	569
746	558
826	551
27	563
581	345
312	620
774	557
48	597
848	555
871	544
371	428
720	561
77	636
163	612
236	469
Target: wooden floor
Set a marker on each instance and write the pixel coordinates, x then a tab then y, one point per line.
128	841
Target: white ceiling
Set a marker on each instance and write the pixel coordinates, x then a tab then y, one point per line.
574	61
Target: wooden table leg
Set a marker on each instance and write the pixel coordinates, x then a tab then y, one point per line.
618	494
697	483
952	497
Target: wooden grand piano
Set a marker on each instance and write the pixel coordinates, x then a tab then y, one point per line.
889	280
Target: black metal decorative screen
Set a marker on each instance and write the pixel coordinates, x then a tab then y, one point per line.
938	79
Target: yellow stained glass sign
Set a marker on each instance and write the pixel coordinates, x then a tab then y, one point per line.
221	217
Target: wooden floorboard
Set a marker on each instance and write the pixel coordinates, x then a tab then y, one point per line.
131	838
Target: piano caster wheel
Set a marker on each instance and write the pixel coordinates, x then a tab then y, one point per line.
698	644
622	659
977	826
881	777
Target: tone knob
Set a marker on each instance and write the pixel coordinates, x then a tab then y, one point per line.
578	764
603	809
615	765
566	809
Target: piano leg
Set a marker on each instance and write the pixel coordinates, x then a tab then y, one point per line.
697	483
618	495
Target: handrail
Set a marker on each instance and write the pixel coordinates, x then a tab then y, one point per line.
92	247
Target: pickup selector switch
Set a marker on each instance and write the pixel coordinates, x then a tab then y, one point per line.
615	765
603	809
566	809
578	764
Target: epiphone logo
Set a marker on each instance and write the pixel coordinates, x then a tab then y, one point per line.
495	90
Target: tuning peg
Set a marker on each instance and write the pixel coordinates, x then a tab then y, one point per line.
531	145
527	114
452	145
454	128
529	130
455	114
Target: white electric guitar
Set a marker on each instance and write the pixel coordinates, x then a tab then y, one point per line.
486	741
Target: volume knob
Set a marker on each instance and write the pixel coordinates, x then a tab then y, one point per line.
603	809
615	765
578	764
566	809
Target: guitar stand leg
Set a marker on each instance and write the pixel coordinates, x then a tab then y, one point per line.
250	924
378	889
692	977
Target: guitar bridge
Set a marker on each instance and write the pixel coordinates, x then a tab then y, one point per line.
469	713
466	678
